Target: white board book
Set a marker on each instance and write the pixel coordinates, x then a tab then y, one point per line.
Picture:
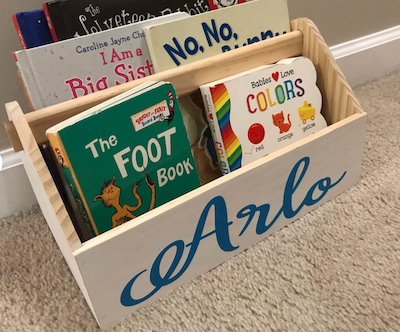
76	67
257	112
197	37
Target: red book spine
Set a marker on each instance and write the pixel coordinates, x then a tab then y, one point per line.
212	5
17	27
49	23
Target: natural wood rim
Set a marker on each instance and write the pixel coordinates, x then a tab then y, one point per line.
32	151
338	98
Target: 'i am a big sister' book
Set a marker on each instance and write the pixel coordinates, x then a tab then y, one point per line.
76	67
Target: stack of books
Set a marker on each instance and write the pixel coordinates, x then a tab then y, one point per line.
145	147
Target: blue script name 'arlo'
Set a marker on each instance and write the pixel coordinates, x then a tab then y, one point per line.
222	229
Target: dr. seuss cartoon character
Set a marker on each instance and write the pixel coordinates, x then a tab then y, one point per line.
279	120
171	106
110	196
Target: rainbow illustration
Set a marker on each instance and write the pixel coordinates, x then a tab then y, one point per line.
222	106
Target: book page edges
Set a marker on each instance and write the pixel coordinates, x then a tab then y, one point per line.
153	57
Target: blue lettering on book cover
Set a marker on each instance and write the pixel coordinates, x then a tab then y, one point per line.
221	230
214	34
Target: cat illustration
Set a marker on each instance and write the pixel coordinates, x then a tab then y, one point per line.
110	197
279	120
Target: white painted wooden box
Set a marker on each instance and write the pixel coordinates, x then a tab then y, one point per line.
134	264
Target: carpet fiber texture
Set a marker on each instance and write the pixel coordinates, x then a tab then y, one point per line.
336	269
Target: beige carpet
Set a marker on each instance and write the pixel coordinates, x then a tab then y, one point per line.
337	269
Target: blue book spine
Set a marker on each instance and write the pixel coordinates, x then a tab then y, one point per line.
32	28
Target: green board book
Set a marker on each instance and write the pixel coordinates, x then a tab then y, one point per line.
126	156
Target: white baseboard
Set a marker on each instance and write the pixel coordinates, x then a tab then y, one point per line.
9	159
370	57
361	60
16	193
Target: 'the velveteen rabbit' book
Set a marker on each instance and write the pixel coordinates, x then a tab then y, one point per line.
73	18
257	112
127	155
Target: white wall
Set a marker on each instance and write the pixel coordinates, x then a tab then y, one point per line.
343	20
10	88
